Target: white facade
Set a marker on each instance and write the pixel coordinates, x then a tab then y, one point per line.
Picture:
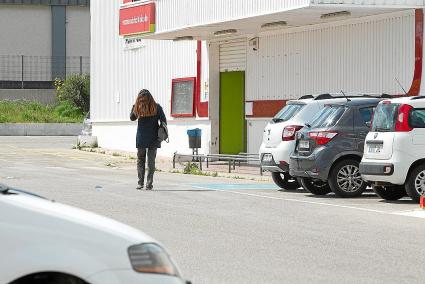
363	52
363	55
118	74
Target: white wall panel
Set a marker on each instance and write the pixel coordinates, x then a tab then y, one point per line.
233	56
359	56
175	14
255	134
119	74
122	135
372	2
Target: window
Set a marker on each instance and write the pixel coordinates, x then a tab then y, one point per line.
384	117
417	118
288	112
366	114
328	117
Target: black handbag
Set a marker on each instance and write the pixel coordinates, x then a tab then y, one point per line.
163	133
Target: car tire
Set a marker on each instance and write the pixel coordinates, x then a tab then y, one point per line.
415	184
345	179
390	193
316	187
285	181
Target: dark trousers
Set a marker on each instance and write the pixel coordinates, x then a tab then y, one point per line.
141	162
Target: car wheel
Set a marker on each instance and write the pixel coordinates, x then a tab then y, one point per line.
285	181
316	187
415	185
390	192
345	179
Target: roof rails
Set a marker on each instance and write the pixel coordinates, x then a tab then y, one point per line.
323	97
417	98
306	97
318	97
338	96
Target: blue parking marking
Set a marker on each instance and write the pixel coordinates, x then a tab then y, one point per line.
235	186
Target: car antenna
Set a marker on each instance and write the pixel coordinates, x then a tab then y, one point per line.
348	100
401	86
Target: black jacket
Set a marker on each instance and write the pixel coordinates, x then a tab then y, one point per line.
147	129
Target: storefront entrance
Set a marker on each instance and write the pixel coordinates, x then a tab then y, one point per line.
232	114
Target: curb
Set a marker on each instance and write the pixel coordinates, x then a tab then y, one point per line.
40	129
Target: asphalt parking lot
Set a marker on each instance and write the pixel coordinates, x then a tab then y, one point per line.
223	230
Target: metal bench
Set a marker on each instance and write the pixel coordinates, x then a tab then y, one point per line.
230	160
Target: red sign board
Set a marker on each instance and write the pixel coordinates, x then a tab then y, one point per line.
137	19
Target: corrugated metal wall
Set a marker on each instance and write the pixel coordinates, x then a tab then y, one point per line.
233	56
174	14
118	74
361	56
372	2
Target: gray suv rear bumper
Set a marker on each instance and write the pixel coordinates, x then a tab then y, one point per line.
309	166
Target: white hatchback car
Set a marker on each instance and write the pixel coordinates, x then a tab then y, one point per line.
43	242
394	152
279	135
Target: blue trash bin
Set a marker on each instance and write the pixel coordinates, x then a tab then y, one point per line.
194	138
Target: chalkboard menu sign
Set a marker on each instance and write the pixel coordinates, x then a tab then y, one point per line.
182	97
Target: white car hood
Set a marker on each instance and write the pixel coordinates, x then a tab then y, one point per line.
22	204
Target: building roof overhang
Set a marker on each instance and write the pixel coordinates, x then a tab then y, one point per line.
311	14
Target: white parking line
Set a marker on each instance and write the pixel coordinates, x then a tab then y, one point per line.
420	213
411	213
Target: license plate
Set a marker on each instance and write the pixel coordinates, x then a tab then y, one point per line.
375	148
267	158
304	144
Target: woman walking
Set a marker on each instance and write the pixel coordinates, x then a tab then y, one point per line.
149	114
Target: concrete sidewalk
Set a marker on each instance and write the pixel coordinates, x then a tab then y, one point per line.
165	164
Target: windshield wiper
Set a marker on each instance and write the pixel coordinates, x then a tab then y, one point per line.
308	125
277	120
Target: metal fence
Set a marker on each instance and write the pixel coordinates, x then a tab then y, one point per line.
39	72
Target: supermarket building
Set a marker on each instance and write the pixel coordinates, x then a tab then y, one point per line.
227	66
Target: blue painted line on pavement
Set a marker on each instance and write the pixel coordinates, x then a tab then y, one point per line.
235	186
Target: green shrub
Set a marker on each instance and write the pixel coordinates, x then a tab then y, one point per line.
76	90
66	109
191	169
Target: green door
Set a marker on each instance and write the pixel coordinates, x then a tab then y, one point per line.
232	113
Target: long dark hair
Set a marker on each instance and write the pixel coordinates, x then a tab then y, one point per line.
145	104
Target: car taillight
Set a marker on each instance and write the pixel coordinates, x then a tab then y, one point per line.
322	137
289	132
402	120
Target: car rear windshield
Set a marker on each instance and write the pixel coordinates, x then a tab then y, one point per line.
328	116
384	117
288	112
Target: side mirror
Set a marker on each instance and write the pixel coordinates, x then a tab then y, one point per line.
368	124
